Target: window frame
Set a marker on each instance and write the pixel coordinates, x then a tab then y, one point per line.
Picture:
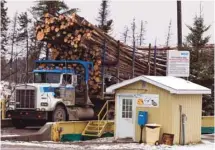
66	74
127	111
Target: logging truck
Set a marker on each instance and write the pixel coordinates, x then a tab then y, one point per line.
53	96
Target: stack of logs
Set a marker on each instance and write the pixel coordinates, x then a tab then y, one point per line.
71	37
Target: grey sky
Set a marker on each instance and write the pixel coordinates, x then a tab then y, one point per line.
156	13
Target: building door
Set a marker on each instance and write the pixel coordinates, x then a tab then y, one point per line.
125	123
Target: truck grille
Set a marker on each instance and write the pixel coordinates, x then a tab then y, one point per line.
25	98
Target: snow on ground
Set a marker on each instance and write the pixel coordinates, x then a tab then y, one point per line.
106	139
4	89
101	146
10	135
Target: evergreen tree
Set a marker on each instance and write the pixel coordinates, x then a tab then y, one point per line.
201	61
4	27
52	7
104	23
195	38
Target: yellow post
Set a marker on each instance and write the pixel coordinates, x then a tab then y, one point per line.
107	111
98	122
3	109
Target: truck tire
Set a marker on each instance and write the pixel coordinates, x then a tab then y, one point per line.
59	114
19	124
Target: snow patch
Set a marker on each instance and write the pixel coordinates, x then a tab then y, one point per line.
87	145
10	135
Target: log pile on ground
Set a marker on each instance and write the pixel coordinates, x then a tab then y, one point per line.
71	37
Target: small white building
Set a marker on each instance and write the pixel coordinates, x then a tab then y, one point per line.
161	97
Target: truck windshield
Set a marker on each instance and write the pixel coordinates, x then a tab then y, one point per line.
46	78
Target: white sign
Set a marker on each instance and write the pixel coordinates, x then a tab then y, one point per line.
147	100
178	63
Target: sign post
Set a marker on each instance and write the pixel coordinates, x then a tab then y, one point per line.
178	63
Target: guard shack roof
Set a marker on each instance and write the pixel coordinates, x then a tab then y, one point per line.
172	84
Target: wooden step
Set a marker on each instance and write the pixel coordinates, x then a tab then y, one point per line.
92	131
97	123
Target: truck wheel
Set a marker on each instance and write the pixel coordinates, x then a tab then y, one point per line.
59	114
19	124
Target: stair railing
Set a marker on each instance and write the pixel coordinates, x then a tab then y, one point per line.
100	117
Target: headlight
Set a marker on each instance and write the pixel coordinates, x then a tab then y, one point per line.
44	104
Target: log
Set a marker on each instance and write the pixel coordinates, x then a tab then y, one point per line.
71	37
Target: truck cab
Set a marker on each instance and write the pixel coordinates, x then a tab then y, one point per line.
55	95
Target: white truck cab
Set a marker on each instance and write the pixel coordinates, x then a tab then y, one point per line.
55	95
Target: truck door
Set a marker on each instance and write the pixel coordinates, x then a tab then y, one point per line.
80	91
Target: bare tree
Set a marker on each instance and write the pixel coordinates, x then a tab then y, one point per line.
125	34
133	27
13	38
24	22
169	33
142	31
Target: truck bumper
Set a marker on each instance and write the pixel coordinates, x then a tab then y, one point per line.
27	114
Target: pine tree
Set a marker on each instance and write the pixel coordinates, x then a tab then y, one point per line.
52	7
201	61
104	23
195	38
4	27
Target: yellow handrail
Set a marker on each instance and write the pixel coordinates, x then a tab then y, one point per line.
107	106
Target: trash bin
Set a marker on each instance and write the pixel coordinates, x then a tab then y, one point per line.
152	133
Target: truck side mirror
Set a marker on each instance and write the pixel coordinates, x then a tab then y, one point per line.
74	80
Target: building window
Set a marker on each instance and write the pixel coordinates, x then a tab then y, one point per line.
127	108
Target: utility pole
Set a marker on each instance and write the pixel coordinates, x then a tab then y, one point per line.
27	54
179	26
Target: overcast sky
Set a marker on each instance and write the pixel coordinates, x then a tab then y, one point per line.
157	14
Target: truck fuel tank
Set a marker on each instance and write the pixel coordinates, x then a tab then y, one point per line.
80	113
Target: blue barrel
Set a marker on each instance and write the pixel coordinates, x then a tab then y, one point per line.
142	118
